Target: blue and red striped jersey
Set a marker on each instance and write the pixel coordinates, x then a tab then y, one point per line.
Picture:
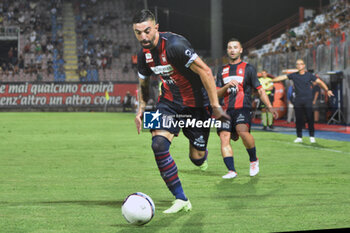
171	60
246	75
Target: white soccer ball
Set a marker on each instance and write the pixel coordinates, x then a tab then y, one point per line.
138	208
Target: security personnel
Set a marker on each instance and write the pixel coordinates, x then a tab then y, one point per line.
267	85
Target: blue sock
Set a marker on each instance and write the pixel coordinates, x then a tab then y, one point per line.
178	192
252	154
229	162
200	161
167	166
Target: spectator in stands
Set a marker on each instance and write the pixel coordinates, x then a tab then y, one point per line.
38	60
125	68
10	54
27	47
82	75
104	62
49	65
39	76
116	49
127	103
21	62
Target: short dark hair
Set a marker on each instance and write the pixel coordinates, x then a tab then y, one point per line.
142	16
234	39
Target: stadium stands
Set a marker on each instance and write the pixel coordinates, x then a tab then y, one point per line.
87	40
106	40
324	29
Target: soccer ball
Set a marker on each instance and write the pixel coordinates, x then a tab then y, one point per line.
138	208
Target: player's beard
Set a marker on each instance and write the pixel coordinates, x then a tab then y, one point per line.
148	42
234	57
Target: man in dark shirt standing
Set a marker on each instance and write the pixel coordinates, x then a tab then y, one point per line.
187	87
303	98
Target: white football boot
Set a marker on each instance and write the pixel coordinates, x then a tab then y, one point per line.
254	168
179	205
298	140
230	175
312	140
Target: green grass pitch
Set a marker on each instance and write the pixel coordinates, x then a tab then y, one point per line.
70	172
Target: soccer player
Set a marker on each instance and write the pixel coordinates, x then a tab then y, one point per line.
235	82
188	86
267	84
302	80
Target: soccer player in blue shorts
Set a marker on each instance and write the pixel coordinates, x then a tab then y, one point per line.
188	89
235	82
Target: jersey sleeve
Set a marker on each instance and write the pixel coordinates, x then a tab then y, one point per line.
253	77
313	77
180	52
143	69
290	76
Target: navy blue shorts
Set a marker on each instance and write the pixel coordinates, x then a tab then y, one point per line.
175	118
238	116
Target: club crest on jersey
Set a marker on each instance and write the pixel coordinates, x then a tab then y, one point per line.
225	70
163	58
148	57
240	71
188	53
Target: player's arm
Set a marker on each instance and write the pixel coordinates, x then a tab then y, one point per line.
262	94
315	97
271	87
221	92
324	87
205	74
280	78
265	99
142	96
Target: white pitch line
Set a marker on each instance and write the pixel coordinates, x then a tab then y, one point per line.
313	147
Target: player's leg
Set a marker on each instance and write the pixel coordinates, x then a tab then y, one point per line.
198	137
227	154
243	131
310	121
299	121
161	141
270	119
269	114
264	118
198	157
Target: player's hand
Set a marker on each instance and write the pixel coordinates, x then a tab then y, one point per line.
233	83
219	114
274	112
138	122
330	93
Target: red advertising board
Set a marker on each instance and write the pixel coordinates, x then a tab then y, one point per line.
64	94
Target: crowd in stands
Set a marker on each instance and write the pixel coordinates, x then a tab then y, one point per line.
106	46
105	39
330	27
40	48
